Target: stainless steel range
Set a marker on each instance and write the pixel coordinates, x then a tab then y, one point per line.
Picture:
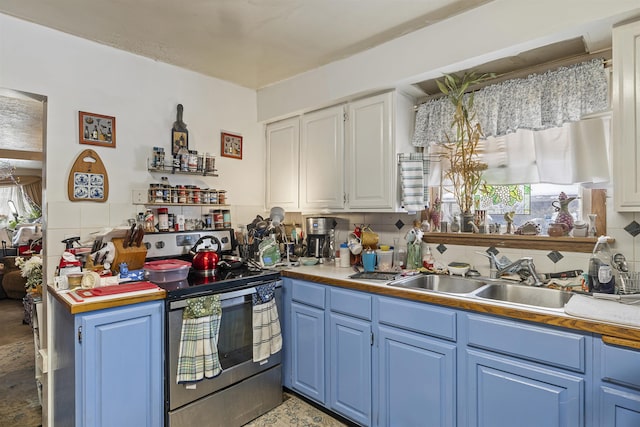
244	389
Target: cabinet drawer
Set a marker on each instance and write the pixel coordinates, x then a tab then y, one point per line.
418	317
308	293
351	303
619	365
545	345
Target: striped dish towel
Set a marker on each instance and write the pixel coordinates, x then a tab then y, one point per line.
267	339
198	356
412	181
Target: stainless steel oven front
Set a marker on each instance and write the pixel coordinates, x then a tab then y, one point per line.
244	389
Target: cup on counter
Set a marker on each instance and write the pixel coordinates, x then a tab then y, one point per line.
369	261
354	244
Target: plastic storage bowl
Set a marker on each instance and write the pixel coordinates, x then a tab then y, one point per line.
167	270
385	259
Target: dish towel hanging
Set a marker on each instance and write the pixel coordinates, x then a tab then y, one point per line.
198	356
267	339
412	179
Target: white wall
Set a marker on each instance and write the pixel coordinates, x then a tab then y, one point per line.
494	30
76	74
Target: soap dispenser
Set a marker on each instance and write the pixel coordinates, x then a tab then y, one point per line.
601	273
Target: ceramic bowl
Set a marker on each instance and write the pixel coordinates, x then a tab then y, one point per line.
308	260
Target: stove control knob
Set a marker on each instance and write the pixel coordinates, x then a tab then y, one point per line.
147	245
160	244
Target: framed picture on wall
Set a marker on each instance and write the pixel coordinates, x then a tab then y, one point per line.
231	145
97	129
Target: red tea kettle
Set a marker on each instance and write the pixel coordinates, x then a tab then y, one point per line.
205	259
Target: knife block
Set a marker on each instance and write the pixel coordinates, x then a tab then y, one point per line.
134	256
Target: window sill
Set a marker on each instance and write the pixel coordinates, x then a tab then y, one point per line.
567	244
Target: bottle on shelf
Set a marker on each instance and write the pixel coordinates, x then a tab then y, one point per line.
183	153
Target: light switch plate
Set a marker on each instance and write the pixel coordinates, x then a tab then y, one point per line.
139	196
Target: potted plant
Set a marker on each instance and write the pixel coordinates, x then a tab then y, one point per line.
465	171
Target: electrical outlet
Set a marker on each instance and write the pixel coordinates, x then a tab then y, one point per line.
139	196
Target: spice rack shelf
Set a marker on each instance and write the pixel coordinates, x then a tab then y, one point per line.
181	204
167	168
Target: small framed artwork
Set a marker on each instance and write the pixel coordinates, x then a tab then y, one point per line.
97	129
179	138
231	145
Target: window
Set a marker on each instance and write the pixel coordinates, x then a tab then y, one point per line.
538	209
27	210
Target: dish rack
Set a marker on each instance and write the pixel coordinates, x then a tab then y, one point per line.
629	282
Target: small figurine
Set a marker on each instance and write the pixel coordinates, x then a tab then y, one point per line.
509	218
562	207
434	214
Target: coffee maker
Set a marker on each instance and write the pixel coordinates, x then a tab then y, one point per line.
320	237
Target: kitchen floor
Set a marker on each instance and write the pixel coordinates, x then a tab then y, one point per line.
294	412
19	405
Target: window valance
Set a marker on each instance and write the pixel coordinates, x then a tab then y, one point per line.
540	101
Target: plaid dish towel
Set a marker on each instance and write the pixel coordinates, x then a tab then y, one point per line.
267	339
412	181
198	356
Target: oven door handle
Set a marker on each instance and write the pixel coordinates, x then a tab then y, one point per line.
236	297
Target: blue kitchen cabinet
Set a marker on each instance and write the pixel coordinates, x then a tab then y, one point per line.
416	379
417	364
307	339
285	325
109	366
515	373
308	351
617	372
330	342
350	341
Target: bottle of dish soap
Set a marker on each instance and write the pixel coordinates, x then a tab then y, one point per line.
601	272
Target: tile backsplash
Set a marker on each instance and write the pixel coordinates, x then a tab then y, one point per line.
389	226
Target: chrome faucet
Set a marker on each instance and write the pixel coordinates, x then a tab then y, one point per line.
500	267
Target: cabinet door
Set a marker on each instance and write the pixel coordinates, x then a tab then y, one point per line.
307	351
322	159
626	116
619	408
370	158
502	392
350	368
283	147
119	380
417	379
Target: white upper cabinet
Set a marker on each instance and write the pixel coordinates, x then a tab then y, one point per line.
322	160
378	128
283	160
626	117
348	156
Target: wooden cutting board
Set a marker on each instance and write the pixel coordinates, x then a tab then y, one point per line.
88	180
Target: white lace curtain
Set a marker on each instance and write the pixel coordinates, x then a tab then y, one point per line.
540	101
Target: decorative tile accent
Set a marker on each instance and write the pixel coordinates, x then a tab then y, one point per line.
441	248
555	256
633	228
492	250
399	224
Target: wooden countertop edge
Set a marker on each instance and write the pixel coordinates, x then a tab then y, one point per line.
110	303
626	334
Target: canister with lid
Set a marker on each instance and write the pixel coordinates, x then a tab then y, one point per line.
226	219
218	219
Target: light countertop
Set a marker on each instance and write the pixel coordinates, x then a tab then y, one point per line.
329	274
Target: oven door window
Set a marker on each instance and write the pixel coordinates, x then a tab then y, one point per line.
235	340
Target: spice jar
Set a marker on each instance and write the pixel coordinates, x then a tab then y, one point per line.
163	219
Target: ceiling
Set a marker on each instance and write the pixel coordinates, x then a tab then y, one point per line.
253	43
